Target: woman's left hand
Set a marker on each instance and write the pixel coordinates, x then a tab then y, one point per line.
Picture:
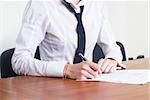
107	65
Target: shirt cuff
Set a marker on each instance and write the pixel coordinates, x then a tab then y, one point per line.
115	55
55	68
118	59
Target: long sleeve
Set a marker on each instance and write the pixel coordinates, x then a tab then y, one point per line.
34	26
106	39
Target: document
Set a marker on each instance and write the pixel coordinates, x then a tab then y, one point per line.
125	76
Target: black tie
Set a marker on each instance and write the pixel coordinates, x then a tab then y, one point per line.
80	32
81	36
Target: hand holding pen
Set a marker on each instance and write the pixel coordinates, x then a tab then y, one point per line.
81	71
88	69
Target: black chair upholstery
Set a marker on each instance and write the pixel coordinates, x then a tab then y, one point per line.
122	50
6	67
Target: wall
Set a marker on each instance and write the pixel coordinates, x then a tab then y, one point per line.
129	20
10	19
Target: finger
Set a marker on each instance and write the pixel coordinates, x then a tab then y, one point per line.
86	74
89	70
94	66
100	62
108	68
104	64
113	69
111	65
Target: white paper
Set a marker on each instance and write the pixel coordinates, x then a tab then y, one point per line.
125	76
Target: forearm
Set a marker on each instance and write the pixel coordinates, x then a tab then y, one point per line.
27	65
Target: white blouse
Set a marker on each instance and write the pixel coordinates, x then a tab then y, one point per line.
51	26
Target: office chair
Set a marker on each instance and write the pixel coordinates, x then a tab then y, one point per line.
98	53
6	67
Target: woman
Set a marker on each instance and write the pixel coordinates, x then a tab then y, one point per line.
54	27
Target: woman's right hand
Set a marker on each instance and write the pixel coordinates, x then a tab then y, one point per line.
82	71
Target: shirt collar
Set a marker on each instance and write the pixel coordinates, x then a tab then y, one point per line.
81	3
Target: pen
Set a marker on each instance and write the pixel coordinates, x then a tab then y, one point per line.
83	58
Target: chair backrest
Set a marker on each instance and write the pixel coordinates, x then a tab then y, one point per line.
122	50
6	67
98	53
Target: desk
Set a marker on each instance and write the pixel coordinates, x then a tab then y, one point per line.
138	64
44	88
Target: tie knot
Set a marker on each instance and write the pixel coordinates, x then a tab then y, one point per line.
79	15
71	9
81	9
